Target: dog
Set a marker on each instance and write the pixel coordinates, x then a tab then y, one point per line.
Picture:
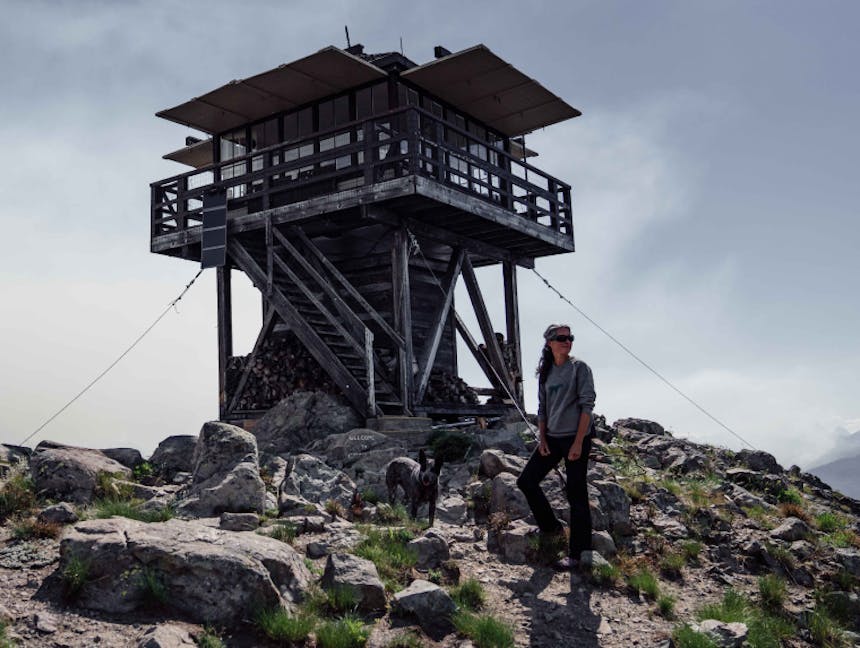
418	482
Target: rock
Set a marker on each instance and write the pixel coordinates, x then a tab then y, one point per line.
358	575
174	455
301	418
239	521
432	550
847	602
742	497
850	561
603	543
429	604
167	635
640	425
772	485
615	504
313	480
350	447
684	461
506	497
32	554
226	475
452	509
13	454
6	617
72	473
669	528
128	457
665	502
206	573
455	477
512	542
791	529
494	462
726	635
508	439
593	559
759	461
45	623
62	513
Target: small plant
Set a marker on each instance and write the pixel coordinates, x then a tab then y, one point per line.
348	632
448	445
279	625
30	527
672	563
408	639
790	509
691	550
74	576
790	495
633	491
605	574
685	637
335	508
110	486
370	496
130	508
16	495
485	631
781	555
644	582
666	606
153	588
844	580
772	590
765	629
546	548
391	514
208	639
283	531
670	485
143	470
342	599
469	594
829	522
824	629
843	538
387	549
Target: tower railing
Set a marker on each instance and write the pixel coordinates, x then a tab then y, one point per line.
395	144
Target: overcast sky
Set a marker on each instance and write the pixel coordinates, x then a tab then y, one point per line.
715	176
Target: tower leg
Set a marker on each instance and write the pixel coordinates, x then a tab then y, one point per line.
513	356
225	334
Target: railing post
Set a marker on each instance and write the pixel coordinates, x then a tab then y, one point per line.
413	139
552	187
440	151
505	185
368	363
369	150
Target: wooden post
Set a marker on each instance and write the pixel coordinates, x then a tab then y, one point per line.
512	317
225	333
402	308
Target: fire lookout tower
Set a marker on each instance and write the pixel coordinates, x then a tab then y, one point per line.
354	190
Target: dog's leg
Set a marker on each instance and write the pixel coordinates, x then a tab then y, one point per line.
432	505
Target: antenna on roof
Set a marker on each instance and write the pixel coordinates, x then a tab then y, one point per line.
401	46
346	29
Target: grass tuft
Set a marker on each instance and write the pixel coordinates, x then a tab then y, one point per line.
605	574
790	496
469	594
348	632
685	637
129	508
485	631
335	508
30	527
209	639
283	531
772	590
828	522
644	582
789	509
408	639
691	550
666	606
16	495
825	630
386	548
279	625
672	563
74	576
766	630
153	588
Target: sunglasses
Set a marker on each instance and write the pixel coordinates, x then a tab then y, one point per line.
562	338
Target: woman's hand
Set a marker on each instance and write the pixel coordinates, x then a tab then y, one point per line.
543	446
575	451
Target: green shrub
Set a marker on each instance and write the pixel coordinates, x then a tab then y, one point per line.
153	588
209	639
605	574
469	594
691	550
843	539
485	631
74	576
342	598
765	630
825	631
828	522
5	642
111	486
348	632
782	555
16	495
685	637
387	549
644	582
283	531
733	608
670	485
790	495
143	470
672	563
129	508
666	606
30	527
279	625
449	445
392	514
408	639
772	590
370	496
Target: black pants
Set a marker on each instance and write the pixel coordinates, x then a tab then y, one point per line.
533	474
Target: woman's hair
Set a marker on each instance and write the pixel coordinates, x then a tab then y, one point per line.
544	364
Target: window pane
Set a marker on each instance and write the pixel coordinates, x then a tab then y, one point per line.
363	105
380	97
341	110
306	122
291	127
326	109
264	135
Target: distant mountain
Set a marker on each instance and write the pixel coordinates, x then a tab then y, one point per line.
842	474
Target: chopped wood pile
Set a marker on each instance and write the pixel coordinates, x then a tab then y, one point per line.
445	388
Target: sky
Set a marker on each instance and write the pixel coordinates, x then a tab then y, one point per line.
715	186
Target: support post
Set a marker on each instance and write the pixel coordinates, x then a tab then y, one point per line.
225	333
402	309
512	319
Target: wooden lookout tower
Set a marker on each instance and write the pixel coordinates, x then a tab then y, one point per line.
354	190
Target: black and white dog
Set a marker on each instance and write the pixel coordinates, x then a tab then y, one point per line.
418	482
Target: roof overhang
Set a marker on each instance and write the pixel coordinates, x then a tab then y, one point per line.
327	72
197	155
492	90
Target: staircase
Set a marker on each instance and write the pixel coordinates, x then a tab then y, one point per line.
320	307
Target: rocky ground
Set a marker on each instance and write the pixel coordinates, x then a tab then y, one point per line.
700	520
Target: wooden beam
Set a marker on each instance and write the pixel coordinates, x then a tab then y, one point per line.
494	353
265	329
512	320
437	323
321	352
479	356
225	333
402	309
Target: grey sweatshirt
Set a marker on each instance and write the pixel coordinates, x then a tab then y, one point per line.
567	392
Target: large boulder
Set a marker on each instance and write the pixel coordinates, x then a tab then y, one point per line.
312	479
174	455
615	505
431	549
72	474
128	457
301	418
640	425
495	461
507	498
759	461
429	605
226	474
344	450
204	573
345	571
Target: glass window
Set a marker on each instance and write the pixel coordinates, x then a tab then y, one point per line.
306	121
380	97
363	103
326	113
233	144
291	127
341	110
264	135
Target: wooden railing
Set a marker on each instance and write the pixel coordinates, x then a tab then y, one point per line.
406	141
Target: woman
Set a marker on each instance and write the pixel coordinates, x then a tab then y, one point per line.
565	403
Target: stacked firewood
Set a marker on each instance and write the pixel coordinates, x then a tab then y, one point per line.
445	388
281	366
